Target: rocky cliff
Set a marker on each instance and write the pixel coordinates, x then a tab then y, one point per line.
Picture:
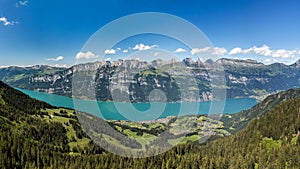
133	80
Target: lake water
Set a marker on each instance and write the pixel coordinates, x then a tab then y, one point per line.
143	111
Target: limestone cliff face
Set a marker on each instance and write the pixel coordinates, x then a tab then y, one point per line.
133	80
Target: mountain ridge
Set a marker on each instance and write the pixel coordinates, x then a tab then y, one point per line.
243	78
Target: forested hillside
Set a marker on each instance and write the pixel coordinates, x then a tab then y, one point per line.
36	135
235	122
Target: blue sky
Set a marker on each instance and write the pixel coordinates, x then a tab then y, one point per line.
53	32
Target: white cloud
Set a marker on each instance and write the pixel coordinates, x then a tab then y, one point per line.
118	49
56	59
143	47
178	50
282	53
270	61
85	55
22	3
110	51
200	50
63	66
235	51
265	50
219	51
6	22
214	51
125	51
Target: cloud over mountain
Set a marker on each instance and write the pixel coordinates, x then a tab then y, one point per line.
265	50
179	50
86	55
209	50
56	59
143	47
110	51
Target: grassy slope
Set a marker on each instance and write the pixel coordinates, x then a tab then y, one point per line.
42	113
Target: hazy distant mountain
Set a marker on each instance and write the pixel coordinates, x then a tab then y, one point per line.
244	78
16	74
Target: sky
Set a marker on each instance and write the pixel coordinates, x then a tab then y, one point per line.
54	32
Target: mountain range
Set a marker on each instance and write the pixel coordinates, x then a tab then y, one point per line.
187	80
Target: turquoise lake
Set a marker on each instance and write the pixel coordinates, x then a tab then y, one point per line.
143	111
